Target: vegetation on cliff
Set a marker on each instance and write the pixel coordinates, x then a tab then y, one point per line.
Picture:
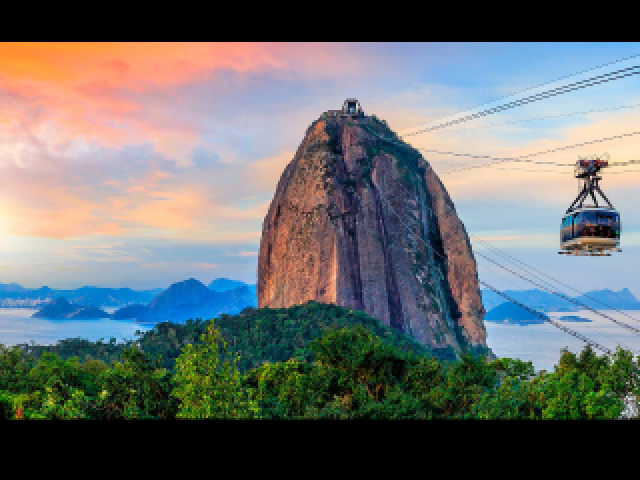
353	374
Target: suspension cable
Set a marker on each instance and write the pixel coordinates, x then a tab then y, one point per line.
569	299
547	117
607	77
520	159
603	333
523	158
546	318
586	295
539	85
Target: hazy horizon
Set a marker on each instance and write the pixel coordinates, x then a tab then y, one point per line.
53	287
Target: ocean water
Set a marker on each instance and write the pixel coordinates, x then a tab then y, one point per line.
542	344
17	326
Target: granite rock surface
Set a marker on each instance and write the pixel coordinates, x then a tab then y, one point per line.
366	224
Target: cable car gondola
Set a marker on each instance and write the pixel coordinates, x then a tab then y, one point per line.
590	229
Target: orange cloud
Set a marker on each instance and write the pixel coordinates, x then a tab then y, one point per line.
166	210
88	90
135	65
42	208
60	223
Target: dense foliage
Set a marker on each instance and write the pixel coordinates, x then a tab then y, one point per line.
256	335
352	373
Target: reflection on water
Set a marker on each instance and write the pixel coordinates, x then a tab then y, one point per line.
542	344
17	326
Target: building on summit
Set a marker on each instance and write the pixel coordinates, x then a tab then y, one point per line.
351	108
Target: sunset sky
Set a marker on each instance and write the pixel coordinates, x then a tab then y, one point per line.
140	165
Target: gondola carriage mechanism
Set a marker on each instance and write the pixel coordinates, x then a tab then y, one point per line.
590	229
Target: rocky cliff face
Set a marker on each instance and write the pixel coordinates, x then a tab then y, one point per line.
366	224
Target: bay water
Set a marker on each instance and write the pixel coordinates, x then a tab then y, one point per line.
17	326
542	344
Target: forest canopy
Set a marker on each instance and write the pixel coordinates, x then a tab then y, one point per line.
311	361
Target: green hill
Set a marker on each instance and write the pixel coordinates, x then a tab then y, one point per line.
257	335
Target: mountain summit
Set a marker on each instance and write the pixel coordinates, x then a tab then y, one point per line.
348	225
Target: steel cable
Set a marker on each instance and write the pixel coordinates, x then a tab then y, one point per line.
515	122
540	85
512	260
635	70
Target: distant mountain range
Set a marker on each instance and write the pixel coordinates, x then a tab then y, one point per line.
192	299
547	302
11	287
14	295
224	285
181	301
511	313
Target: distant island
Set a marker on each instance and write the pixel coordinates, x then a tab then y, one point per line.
512	314
62	308
574	318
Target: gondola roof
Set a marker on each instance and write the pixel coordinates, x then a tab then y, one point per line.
590	208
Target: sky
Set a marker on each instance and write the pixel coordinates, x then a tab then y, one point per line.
143	164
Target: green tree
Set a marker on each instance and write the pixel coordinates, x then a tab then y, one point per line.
464	383
207	385
136	388
7	410
590	387
60	389
368	362
291	389
15	365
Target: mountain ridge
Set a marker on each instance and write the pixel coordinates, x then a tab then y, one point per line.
180	301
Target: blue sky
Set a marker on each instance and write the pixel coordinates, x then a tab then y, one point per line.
142	165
